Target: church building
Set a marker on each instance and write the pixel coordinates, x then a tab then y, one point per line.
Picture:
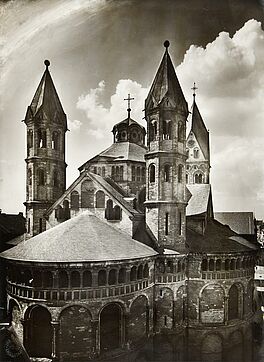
128	263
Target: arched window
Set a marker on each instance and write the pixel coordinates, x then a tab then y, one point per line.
29	176
66	210
180	132
63	279
196	153
187	178
180	173
42	139
170	266
167	176
161	267
232	264
143	174
101	277
117	213
87	278
180	223
166	223
227	264
75	279
55	140
166	134
109	210
30	138
153	130
133	173
103	171
47	279
87	194
140	272
100	199
138	174
121	173
152	173
218	264
122	276
187	152
198	178
133	274
113	172
112	277
146	271
27	277
117	173
99	171
75	200
41	177
204	265
211	265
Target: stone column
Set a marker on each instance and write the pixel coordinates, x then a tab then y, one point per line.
226	299
96	337
55	327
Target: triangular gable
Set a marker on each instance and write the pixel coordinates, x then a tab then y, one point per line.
192	143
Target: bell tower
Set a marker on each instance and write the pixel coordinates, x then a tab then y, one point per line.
45	161
166	112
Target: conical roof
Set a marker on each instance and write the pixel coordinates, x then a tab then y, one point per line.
166	85
46	98
84	238
200	131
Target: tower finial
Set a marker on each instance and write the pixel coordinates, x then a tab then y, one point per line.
47	63
166	44
128	99
194	88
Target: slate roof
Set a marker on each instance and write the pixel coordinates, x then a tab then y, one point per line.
46	99
83	238
120	151
198	203
217	238
128	122
200	131
166	85
240	222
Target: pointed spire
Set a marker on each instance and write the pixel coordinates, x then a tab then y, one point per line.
199	129
46	98
166	85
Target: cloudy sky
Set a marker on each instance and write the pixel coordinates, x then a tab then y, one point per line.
101	50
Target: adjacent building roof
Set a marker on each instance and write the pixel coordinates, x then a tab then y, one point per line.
200	131
199	201
83	238
217	238
166	85
241	222
11	226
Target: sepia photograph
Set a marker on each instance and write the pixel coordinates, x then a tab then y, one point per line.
131	180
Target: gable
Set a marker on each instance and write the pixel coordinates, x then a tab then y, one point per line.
192	145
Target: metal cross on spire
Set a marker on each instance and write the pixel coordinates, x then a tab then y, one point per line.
128	99
194	88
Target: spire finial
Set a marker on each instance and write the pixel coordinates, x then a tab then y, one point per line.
47	63
128	99
166	44
194	88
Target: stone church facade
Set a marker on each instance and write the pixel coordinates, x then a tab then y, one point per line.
128	263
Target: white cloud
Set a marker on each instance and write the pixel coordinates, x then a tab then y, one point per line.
229	73
74	125
101	118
